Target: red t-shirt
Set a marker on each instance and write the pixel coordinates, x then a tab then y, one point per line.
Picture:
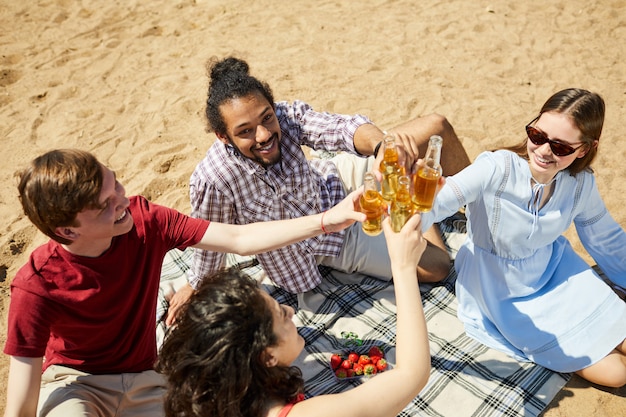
97	315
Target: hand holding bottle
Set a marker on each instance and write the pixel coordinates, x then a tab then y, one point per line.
373	205
345	213
427	175
407	246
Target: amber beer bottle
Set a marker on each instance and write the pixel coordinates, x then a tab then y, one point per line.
373	205
402	206
390	168
426	178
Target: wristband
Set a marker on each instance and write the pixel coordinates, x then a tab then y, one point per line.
322	224
376	149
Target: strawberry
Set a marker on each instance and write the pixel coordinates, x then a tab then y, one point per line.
358	369
347	364
354	357
381	365
364	360
376	351
341	373
350	373
369	369
375	359
335	361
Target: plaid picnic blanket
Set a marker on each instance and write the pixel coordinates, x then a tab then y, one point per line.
467	378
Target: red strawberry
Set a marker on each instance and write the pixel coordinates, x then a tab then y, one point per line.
364	360
369	369
335	361
375	359
341	373
354	357
381	365
347	364
358	369
376	351
350	373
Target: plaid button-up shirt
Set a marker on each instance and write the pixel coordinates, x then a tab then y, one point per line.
229	188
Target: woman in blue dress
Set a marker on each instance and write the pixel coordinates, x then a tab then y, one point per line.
521	287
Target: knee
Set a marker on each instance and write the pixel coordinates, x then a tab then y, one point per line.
439	124
609	372
614	380
618	383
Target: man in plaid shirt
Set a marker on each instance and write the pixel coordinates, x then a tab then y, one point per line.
257	171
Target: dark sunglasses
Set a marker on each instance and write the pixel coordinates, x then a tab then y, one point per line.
538	138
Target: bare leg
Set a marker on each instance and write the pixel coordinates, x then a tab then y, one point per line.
610	371
414	136
435	262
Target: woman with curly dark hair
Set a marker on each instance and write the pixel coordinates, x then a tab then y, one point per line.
231	349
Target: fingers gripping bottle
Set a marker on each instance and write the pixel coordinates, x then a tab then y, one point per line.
426	178
390	168
402	206
373	205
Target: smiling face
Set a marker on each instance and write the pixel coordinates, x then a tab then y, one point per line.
97	227
544	165
252	128
290	343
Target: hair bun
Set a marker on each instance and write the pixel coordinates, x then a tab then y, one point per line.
229	68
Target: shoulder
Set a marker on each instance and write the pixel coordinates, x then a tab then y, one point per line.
494	160
494	169
140	203
293	109
292	115
146	213
39	257
218	155
505	161
43	265
218	168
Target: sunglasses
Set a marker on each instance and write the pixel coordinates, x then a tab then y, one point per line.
539	138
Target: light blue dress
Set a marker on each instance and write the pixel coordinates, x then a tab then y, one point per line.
521	287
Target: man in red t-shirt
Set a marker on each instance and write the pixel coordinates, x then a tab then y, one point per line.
83	308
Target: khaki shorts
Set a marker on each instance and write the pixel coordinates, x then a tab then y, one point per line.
67	392
361	253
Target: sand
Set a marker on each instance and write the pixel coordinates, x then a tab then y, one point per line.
126	80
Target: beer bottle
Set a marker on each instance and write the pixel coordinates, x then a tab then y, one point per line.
402	206
373	205
390	168
426	178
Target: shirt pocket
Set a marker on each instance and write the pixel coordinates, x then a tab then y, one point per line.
301	202
261	208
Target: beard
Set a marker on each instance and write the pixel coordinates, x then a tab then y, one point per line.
264	162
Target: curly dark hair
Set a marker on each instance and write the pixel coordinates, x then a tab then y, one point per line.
586	109
212	357
230	79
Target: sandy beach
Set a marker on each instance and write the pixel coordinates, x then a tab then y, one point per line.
126	80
